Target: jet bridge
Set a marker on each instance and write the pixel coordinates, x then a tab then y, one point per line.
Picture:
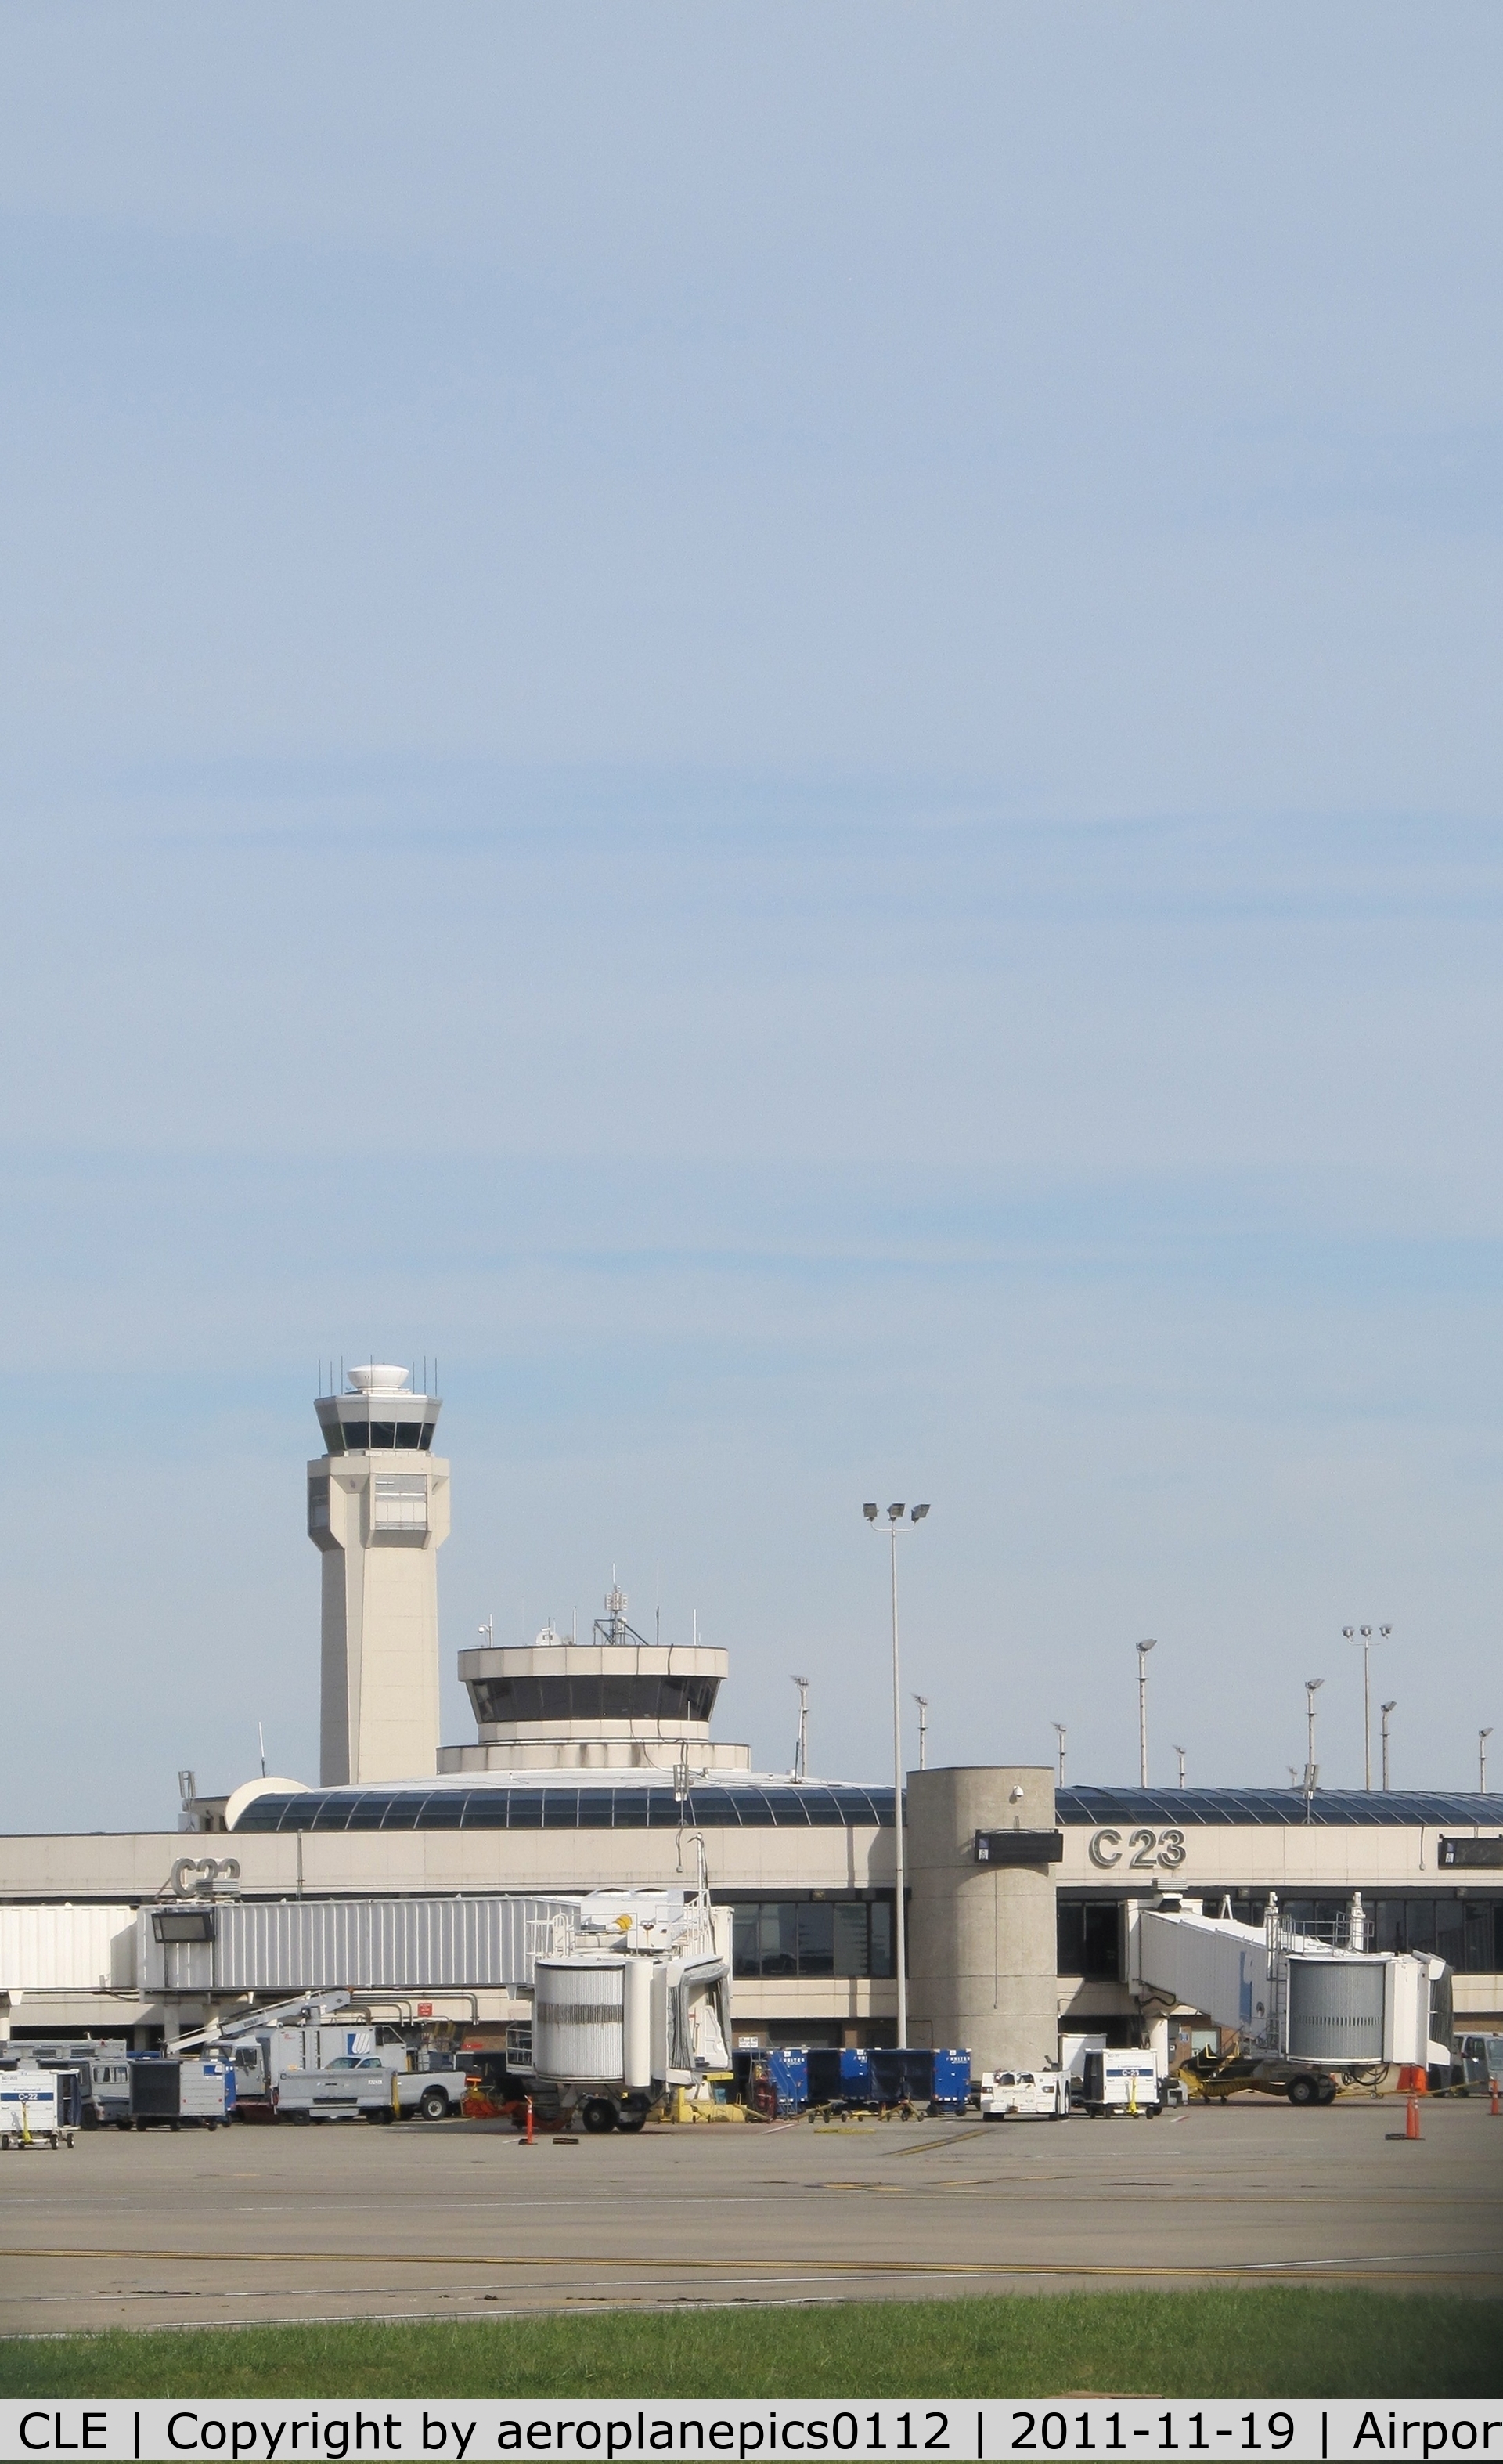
1304	2010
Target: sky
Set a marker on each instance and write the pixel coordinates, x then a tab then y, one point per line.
781	727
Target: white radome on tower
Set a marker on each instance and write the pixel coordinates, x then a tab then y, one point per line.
378	1378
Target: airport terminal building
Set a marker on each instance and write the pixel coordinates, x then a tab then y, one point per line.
416	1873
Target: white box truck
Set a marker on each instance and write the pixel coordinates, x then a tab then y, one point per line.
1119	2080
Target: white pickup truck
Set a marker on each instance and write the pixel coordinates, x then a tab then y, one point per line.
362	2086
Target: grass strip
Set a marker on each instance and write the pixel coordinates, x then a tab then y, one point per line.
1223	2342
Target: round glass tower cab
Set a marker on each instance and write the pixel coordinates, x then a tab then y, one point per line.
617	1701
378	1414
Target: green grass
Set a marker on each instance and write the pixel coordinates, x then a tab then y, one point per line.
1218	2343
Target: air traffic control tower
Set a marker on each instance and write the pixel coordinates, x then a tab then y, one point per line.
377	1511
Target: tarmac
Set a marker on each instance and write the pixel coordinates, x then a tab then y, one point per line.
461	2220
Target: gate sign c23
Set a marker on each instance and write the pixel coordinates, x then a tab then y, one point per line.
1139	1853
244	2431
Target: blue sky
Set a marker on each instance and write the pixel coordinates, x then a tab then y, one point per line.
782	727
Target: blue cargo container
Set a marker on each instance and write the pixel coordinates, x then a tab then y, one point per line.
850	2075
839	2075
902	2073
787	2070
951	2079
890	2075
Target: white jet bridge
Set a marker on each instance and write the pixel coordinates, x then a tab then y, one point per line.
1308	2013
613	2029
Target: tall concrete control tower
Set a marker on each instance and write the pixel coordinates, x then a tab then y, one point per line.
378	1510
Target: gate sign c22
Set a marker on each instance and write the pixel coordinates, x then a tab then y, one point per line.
1140	1852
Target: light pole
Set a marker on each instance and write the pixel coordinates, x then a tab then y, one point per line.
900	1930
801	1749
1058	1727
1180	1750
1386	1708
1483	1735
1144	1649
1312	1685
923	1702
1364	1634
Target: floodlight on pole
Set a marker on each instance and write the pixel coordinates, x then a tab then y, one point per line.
898	1528
1144	1649
923	1702
1364	1634
1386	1709
1179	1750
1058	1727
1483	1735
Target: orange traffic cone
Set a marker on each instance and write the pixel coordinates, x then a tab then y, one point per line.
1411	2117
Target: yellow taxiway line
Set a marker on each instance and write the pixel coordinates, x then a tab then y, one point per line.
831	2267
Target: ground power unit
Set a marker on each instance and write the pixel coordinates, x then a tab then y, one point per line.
174	2093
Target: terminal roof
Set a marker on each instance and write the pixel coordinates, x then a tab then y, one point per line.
629	1801
552	1805
1338	1808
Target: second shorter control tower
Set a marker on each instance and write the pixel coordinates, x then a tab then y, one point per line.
615	1703
378	1510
